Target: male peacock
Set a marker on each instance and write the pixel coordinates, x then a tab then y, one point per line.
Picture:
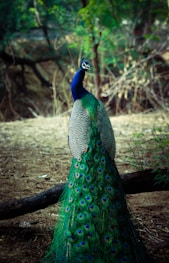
94	223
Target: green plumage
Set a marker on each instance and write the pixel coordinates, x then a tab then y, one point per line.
94	223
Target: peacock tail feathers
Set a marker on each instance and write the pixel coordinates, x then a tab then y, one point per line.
94	223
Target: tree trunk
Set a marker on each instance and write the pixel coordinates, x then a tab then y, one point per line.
94	45
97	69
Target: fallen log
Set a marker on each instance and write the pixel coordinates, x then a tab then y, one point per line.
18	207
142	181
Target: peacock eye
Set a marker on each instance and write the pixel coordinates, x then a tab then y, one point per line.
105	200
82	202
67	209
84	187
98	143
70	185
77	190
99	170
109	189
113	251
80	216
70	199
88	198
107	238
87	226
82	175
124	259
77	165
77	246
77	175
89	257
92	188
103	159
82	167
91	206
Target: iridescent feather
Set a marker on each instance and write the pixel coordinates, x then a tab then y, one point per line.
94	224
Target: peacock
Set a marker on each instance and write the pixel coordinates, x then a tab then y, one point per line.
94	223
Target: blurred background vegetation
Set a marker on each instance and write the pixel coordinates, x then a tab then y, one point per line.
41	42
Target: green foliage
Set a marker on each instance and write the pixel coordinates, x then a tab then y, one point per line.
67	29
151	150
111	22
15	16
98	13
161	178
96	21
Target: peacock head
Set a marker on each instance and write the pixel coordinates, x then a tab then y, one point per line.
84	64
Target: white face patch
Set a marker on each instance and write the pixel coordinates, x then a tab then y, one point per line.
85	65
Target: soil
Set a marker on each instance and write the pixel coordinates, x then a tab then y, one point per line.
34	156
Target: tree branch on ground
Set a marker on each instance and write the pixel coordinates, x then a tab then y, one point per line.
134	183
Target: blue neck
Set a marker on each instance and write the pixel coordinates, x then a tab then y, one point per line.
77	89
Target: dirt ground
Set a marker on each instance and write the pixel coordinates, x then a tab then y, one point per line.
34	156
